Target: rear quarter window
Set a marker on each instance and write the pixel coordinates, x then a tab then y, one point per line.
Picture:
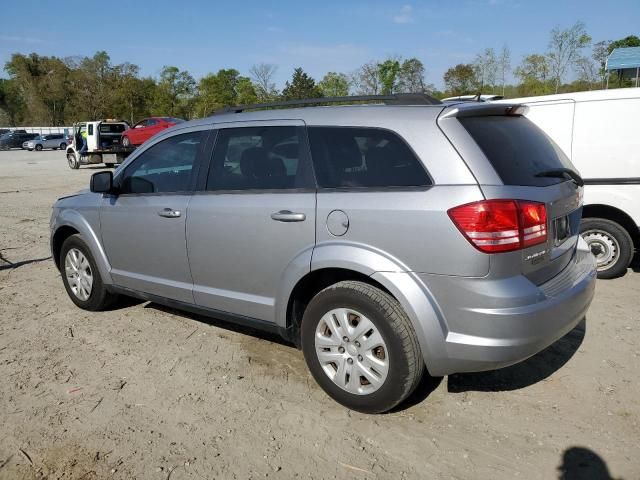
517	149
359	157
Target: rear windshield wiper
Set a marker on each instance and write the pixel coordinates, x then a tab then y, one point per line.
563	173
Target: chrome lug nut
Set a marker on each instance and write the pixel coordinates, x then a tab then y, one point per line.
345	339
349	360
341	349
359	358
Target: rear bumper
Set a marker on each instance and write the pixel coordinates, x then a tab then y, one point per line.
495	323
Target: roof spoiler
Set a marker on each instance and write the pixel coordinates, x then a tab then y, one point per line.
485	110
394	99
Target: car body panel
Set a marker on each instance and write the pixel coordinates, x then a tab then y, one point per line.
470	310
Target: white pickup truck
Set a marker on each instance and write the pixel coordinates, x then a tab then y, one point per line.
599	132
104	143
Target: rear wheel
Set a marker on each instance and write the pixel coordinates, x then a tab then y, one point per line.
63	146
73	161
38	148
610	243
361	347
126	142
81	277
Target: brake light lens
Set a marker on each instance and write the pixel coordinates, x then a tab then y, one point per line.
494	226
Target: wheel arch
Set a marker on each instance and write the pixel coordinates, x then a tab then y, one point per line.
72	223
615	214
335	263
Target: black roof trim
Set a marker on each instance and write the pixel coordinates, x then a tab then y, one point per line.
394	99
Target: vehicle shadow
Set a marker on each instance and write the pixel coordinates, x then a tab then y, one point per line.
234	327
580	463
523	374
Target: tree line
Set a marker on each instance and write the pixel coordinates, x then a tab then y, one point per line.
49	90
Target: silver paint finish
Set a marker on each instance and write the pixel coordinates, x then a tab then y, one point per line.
244	252
351	351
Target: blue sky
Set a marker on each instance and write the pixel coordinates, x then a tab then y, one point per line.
204	36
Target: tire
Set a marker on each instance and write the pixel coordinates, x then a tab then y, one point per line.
98	298
62	146
109	165
610	243
38	148
126	142
73	162
385	320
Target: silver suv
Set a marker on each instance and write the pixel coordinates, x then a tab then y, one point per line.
381	239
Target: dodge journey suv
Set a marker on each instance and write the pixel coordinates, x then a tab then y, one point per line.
382	240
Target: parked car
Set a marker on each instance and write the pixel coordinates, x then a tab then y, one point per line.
598	132
15	139
52	140
147	128
3	131
104	143
380	239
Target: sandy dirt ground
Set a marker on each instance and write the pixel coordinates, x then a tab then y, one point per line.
145	392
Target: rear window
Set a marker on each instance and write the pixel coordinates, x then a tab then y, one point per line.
112	127
517	149
355	157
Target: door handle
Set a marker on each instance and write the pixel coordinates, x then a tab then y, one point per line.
169	213
288	216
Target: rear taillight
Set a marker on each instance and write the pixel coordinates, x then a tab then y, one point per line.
501	225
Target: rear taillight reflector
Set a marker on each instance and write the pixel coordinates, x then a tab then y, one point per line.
501	225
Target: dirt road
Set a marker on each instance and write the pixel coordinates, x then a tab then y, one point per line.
144	392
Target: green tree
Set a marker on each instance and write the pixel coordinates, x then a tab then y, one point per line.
388	72
534	75
461	79
629	41
411	77
599	54
334	85
565	49
11	102
366	79
43	83
174	93
301	86
486	68
225	88
132	95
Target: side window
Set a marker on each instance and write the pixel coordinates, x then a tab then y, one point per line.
165	167
90	129
150	122
252	158
364	157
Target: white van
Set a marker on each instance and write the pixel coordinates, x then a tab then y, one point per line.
599	130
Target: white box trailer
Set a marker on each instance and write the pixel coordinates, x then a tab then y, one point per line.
599	131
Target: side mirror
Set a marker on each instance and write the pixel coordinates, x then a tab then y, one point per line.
101	182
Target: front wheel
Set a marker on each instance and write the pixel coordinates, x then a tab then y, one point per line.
81	277
38	148
360	347
73	162
63	146
610	243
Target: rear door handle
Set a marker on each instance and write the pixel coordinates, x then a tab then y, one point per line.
288	216
169	213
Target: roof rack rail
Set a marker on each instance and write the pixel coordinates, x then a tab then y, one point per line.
394	99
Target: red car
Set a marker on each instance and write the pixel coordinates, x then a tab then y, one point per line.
147	128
